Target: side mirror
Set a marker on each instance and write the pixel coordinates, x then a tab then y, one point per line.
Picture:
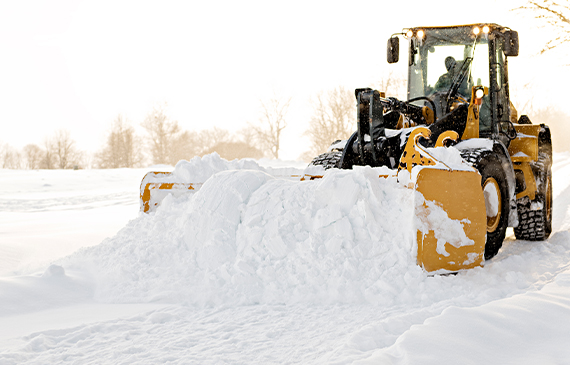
511	43
393	50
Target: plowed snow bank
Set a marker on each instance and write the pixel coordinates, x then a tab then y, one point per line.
248	237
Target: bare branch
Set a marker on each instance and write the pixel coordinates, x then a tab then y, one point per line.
555	14
333	118
161	134
123	147
33	155
273	113
61	152
10	157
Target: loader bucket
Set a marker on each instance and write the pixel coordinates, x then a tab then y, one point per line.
156	185
455	242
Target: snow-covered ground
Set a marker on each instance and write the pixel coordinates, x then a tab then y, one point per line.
255	268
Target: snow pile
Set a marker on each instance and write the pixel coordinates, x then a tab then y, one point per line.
337	251
248	237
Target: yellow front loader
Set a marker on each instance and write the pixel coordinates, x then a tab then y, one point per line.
456	143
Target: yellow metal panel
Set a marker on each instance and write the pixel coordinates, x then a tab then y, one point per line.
524	148
472	125
460	195
148	188
529	181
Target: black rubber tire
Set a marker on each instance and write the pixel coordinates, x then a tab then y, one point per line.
536	224
328	160
488	163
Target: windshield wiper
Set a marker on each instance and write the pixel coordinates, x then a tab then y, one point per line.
458	79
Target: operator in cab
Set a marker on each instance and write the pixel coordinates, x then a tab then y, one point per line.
445	80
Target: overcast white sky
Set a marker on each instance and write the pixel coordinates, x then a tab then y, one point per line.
76	65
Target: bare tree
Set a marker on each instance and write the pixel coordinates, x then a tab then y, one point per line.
333	118
123	147
64	150
185	146
247	135
273	113
161	135
10	157
554	13
209	138
392	85
33	156
48	159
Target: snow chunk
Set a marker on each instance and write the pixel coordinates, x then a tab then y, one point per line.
475	143
340	145
450	156
520	154
432	217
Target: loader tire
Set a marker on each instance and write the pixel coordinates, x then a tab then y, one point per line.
535	217
328	160
495	189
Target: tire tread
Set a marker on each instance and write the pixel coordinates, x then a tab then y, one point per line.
328	160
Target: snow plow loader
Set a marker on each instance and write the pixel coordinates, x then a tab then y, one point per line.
474	166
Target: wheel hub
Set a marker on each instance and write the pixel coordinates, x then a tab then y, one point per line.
492	194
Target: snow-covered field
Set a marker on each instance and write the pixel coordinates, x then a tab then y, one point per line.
256	269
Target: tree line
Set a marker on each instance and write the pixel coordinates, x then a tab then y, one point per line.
333	117
165	142
56	152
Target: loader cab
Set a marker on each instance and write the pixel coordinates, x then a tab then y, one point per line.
478	54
